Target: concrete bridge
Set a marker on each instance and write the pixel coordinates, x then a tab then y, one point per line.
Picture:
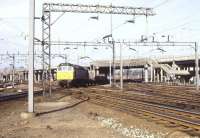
166	69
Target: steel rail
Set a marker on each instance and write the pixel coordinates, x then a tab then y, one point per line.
14	96
159	92
184	118
150	98
189	124
183	93
151	105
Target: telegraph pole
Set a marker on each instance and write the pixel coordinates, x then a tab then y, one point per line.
31	55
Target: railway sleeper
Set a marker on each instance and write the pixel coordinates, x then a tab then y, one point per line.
182	123
135	113
124	108
189	105
163	110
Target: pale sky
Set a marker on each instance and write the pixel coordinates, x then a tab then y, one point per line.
178	18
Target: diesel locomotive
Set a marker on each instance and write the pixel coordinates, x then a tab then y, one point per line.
69	75
72	75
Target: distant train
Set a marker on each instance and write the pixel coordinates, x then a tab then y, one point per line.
69	75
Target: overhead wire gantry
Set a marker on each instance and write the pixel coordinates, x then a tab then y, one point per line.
47	22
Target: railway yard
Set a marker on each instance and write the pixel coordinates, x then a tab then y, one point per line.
140	110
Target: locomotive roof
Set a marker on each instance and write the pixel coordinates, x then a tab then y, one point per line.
73	65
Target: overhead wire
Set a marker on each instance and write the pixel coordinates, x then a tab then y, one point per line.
161	4
175	26
14	27
146	28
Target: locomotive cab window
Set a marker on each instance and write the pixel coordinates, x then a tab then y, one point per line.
65	68
70	68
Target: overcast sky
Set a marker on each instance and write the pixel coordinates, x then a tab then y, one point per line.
178	18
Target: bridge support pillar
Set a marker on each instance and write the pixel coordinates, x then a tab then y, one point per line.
161	75
19	77
152	73
10	78
146	73
25	76
39	76
97	71
158	77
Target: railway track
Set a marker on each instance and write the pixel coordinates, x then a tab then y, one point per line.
186	97
175	91
17	95
154	98
173	117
